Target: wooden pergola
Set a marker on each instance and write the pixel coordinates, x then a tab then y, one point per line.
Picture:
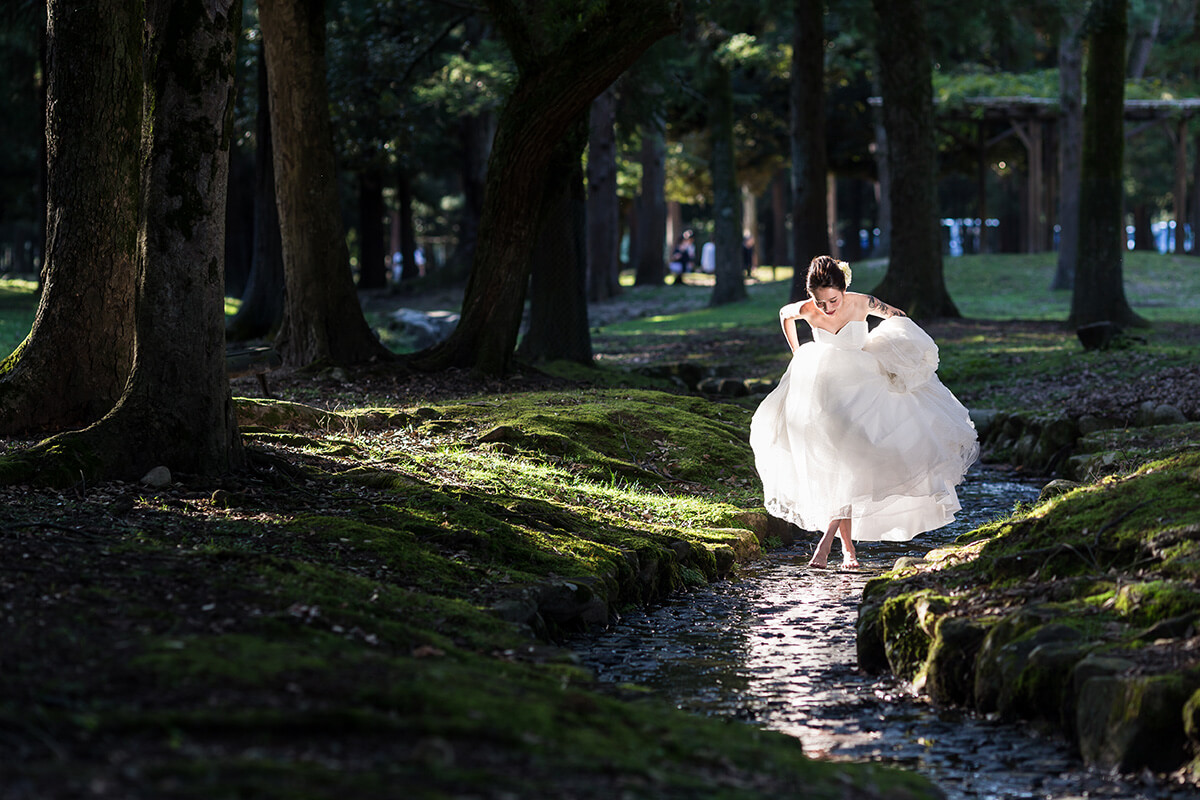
1031	118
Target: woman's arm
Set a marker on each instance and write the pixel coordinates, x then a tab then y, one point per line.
787	318
879	308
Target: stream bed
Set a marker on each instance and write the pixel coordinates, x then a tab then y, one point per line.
775	648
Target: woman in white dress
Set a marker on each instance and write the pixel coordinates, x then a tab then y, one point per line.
860	439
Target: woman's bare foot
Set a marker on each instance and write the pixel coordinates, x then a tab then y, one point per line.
849	562
815	564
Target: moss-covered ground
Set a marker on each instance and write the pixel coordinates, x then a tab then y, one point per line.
371	610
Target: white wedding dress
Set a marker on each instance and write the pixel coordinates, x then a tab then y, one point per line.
861	428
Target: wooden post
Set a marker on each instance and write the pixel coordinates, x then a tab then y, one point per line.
1180	137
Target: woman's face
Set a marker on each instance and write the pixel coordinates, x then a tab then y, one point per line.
828	300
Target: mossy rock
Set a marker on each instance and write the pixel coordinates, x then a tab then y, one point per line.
1135	722
908	621
868	639
992	663
950	667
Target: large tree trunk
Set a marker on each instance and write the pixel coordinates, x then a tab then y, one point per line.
322	318
730	284
72	367
410	269
651	210
810	223
553	89
914	280
1099	294
603	209
1070	146
372	269
558	314
176	410
239	223
262	302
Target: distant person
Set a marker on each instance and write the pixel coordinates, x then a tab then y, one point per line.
860	438
708	257
682	257
748	254
398	264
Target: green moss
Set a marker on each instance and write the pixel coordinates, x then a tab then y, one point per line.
1151	601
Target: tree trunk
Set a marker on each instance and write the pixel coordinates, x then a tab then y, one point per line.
558	314
262	302
810	222
372	267
779	232
1070	146
882	246
322	318
176	410
1099	294
475	135
651	210
730	284
72	367
603	212
914	280
239	223
552	90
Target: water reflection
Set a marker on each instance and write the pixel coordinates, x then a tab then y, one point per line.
776	648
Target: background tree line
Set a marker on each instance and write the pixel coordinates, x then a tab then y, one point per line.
321	138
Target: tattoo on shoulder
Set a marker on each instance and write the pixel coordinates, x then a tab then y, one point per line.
884	309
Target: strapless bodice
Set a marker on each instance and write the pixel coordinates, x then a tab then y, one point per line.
852	336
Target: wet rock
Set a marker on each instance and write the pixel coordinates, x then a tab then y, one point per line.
771	531
1056	488
868	640
572	604
950	668
992	662
907	620
426	328
726	387
1044	688
1134	722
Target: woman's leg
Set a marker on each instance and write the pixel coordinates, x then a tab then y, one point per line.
820	557
849	558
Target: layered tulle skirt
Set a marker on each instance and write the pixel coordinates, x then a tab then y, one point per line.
860	427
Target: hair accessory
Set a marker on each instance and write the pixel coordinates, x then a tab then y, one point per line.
845	268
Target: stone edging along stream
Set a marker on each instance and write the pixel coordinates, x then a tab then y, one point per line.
1080	614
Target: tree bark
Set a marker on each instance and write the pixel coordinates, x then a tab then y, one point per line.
322	317
914	280
603	209
730	284
810	222
72	367
1070	146
558	312
651	210
1099	292
176	409
262	302
372	267
554	87
882	246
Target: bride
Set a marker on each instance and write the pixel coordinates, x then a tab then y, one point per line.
860	439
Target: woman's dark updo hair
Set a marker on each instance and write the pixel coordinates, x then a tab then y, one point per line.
826	272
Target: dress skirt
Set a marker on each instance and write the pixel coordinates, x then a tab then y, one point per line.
860	427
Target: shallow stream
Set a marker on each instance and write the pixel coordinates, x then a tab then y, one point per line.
775	648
